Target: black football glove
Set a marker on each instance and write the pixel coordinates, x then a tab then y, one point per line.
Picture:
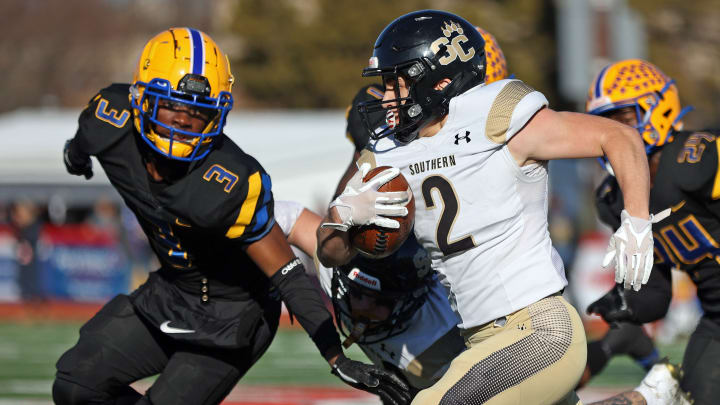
373	379
71	163
613	307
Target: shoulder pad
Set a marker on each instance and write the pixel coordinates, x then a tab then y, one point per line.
499	109
106	118
513	106
691	161
234	194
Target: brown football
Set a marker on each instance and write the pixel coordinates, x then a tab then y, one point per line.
376	242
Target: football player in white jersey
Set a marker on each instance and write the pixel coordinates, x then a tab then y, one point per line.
475	156
397	312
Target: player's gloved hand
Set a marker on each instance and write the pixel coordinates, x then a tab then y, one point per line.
631	249
613	307
79	166
373	379
362	204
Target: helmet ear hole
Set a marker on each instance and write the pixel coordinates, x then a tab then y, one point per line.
442	84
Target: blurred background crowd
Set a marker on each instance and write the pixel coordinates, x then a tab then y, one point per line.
297	65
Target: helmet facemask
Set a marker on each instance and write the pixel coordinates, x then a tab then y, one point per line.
191	96
403	115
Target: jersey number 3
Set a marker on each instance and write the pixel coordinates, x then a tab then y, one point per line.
448	215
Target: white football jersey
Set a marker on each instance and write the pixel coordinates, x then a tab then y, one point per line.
432	321
481	217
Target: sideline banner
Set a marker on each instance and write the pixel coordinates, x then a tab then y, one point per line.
82	263
73	262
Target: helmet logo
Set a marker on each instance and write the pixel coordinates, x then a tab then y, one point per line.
364	279
453	47
449	27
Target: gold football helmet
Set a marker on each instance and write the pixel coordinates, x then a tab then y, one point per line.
639	84
495	64
181	66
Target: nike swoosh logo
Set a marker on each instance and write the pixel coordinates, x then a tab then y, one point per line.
166	328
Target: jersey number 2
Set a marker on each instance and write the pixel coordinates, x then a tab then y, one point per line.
448	215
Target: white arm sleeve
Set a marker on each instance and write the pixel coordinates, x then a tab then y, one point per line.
286	214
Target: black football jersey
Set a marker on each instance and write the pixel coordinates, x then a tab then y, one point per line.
356	131
198	225
688	182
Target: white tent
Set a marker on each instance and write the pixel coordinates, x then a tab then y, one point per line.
305	153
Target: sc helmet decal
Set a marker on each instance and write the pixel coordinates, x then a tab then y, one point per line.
453	47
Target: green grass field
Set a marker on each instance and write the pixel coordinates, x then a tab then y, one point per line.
28	351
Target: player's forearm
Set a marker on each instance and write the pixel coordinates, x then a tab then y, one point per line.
333	246
626	154
303	301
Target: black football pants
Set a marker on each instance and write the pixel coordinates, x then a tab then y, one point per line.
701	364
117	347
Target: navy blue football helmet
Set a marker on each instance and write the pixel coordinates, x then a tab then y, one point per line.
423	47
399	282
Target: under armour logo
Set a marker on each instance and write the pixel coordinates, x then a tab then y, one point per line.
466	138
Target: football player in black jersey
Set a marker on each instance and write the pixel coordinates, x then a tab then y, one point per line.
208	314
684	178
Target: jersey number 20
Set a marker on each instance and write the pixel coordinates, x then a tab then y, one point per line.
448	215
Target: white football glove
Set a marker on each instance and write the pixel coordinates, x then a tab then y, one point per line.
361	204
631	249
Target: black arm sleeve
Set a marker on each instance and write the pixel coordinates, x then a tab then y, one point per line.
303	301
653	300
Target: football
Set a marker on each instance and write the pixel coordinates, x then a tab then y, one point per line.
376	242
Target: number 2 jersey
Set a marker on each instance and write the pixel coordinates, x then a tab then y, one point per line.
688	182
197	226
481	217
